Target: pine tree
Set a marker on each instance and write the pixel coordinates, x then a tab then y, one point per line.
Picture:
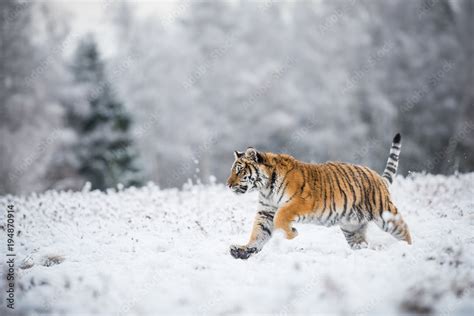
104	148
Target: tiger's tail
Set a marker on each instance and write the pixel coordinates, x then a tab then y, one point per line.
392	162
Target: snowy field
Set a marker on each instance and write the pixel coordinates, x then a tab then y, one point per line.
152	251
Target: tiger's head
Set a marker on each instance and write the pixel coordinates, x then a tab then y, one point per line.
248	172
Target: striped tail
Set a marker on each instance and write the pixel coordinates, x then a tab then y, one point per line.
392	162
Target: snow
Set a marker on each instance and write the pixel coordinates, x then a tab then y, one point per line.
154	251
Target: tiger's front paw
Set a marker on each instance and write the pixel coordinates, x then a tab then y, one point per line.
290	233
359	245
242	252
293	233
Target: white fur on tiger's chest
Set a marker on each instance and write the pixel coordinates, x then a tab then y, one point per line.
270	198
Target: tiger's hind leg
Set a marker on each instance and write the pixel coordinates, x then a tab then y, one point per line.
355	235
392	222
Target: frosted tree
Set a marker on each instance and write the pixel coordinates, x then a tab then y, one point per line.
425	75
31	76
459	151
150	78
212	33
319	80
104	149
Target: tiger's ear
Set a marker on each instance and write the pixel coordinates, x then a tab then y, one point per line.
253	154
238	154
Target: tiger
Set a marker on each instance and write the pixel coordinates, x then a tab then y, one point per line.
327	194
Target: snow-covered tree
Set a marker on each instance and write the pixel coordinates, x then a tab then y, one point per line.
32	74
104	149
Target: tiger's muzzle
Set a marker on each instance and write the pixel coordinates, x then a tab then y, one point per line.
239	189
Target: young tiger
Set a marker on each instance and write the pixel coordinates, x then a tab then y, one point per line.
332	193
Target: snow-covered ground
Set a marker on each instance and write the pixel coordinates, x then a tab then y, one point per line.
152	251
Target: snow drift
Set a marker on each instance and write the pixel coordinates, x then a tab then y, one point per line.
150	251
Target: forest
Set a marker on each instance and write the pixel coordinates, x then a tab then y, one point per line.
179	92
